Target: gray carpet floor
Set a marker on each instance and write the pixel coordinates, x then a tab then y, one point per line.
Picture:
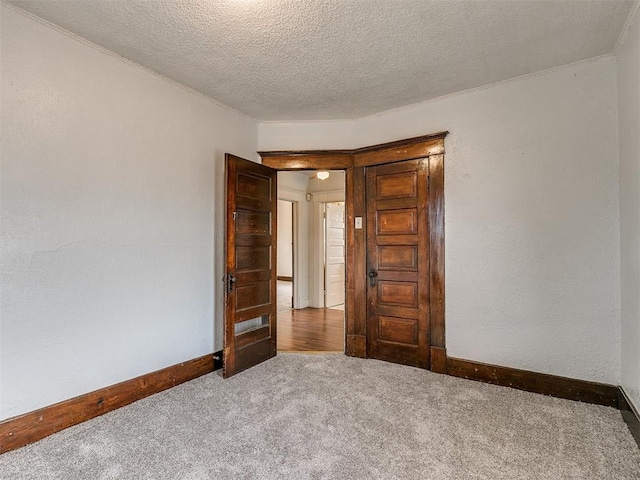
330	416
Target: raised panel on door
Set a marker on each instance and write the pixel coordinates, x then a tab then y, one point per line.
398	330
250	280
403	294
398	258
397	221
398	263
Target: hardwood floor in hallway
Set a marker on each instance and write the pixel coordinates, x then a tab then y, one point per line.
311	329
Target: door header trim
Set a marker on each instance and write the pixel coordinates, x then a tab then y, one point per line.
396	151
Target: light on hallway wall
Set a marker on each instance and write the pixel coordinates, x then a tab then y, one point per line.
322	174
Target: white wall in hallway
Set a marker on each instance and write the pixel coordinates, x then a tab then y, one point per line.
285	238
629	138
531	213
112	195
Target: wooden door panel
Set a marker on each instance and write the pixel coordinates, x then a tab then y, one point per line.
253	186
397	311
398	353
253	353
247	240
397	276
252	258
397	222
252	336
247	278
399	330
397	185
404	294
398	263
398	258
253	295
395	240
253	223
250	289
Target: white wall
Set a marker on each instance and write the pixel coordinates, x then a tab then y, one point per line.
285	238
629	140
112	181
532	247
306	135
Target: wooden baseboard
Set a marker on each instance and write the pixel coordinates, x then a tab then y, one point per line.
630	415
356	346
562	387
438	360
33	426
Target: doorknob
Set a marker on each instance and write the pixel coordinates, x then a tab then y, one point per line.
372	277
230	281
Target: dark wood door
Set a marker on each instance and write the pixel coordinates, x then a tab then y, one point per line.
398	263
250	280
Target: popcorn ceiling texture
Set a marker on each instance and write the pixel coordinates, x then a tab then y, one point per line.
330	59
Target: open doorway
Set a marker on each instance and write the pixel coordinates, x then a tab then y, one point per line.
378	178
314	320
386	185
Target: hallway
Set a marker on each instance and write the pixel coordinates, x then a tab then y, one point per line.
311	330
308	329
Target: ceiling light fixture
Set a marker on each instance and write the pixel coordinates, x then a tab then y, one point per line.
322	175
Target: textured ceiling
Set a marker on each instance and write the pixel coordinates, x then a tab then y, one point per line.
331	59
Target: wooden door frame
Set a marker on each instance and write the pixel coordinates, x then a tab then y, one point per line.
354	163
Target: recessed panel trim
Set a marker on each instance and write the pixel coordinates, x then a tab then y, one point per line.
397	222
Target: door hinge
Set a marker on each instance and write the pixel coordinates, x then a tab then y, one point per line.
235	214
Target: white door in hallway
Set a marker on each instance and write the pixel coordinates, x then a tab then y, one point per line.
334	263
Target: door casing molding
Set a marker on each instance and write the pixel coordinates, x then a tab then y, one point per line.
354	163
